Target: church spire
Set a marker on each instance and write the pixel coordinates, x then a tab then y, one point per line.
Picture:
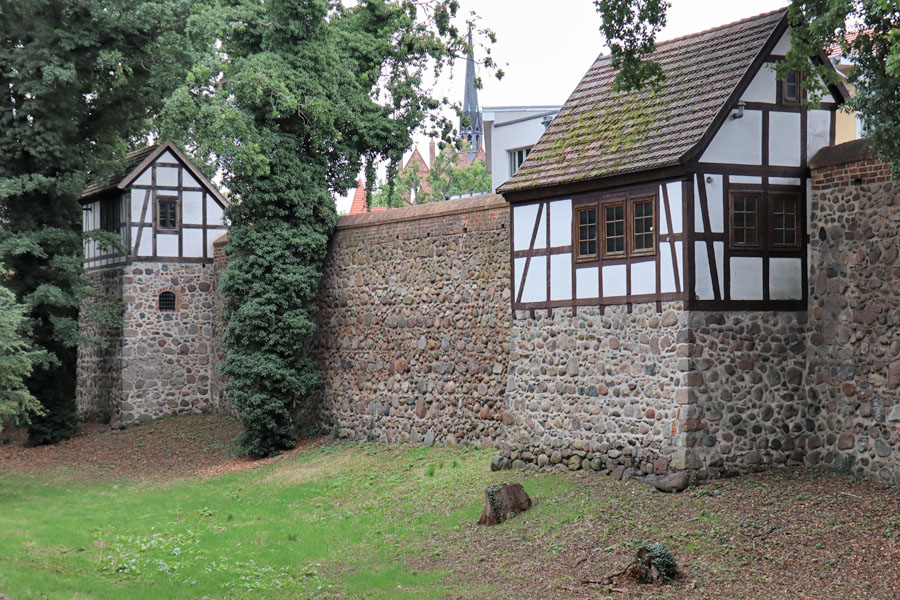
473	133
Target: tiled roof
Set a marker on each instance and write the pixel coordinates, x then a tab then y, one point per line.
132	159
358	206
599	133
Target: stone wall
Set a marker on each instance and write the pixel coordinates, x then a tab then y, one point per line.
744	401
595	388
854	314
413	338
99	367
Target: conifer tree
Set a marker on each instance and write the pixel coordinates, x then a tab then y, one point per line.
297	96
81	80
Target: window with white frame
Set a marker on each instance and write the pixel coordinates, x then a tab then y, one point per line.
516	158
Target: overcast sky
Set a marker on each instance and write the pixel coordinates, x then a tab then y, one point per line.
545	46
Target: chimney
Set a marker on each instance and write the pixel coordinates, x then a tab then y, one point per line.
431	154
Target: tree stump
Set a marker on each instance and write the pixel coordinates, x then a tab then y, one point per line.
502	502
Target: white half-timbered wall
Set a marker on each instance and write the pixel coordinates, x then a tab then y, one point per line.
546	274
765	150
200	220
97	254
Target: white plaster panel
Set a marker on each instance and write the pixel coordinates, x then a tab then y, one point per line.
785	279
615	280
166	244
762	87
187	180
698	213
784	181
818	129
540	241
682	268
643	278
536	280
213	234
192	242
518	267
216	216
145	178
738	141
192	208
523	222
146	247
746	278
715	203
719	251
166	157
137	205
560	276
587	282
745	179
560	223
663	221
703	286
783	45
167	176
674	190
666	272
784	139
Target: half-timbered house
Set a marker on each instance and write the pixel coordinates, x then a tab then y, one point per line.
167	215
695	191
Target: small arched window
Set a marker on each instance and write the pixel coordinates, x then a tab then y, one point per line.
167	302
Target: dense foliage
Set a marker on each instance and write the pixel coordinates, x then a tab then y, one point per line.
81	79
16	403
873	43
289	105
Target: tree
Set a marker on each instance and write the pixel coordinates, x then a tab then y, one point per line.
16	361
630	27
82	79
292	101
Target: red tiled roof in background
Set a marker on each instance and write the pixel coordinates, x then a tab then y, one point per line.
599	133
358	206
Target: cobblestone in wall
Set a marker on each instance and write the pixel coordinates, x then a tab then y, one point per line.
414	323
854	340
595	389
98	389
744	404
166	356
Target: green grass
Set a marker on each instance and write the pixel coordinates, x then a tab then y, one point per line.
345	520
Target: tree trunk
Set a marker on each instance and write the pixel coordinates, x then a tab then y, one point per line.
502	502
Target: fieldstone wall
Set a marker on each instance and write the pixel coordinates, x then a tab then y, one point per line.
595	388
413	338
854	318
99	367
744	404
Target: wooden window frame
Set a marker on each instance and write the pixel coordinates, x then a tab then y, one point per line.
629	226
760	241
784	87
576	234
160	198
770	229
603	206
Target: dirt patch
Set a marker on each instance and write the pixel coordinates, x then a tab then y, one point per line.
170	448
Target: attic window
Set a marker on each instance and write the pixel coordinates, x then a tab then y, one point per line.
167	302
792	89
167	212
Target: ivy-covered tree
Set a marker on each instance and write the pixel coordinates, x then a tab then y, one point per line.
81	79
630	28
17	405
294	98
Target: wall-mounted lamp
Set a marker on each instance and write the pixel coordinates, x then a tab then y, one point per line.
739	111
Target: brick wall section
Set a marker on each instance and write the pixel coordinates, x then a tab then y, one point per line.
413	338
853	378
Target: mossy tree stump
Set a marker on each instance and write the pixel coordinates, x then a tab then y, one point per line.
502	502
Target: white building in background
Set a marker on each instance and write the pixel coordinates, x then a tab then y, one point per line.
509	134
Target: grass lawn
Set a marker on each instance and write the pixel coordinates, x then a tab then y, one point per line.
375	521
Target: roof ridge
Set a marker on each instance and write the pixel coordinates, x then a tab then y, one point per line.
681	38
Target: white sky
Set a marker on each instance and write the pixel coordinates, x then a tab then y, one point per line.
545	46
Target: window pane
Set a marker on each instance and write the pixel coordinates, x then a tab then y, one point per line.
744	220
587	232
784	220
